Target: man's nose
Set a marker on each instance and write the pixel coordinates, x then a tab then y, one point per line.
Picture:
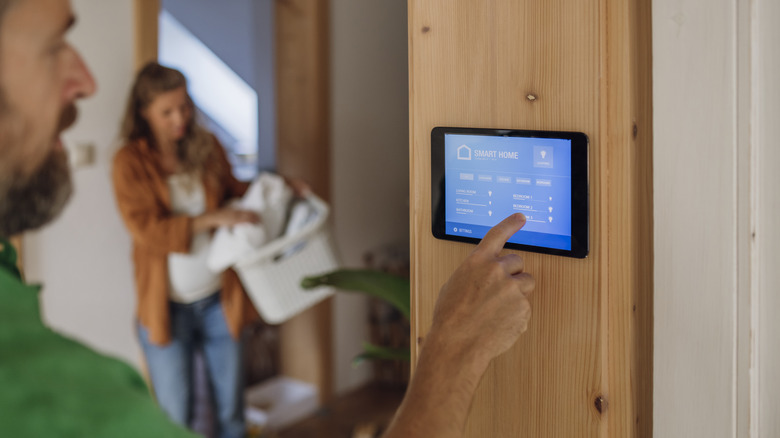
79	82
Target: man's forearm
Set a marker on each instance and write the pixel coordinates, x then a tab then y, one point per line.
439	397
480	312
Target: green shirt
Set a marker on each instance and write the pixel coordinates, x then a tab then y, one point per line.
52	386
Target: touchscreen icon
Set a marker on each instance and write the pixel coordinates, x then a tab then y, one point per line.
464	152
543	157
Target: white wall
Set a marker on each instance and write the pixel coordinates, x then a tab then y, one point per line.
227	28
240	33
695	222
716	106
83	259
370	158
766	288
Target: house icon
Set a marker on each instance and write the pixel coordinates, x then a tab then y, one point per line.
464	153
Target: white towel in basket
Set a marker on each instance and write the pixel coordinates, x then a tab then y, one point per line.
302	213
269	196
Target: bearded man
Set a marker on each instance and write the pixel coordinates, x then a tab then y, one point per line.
54	386
51	385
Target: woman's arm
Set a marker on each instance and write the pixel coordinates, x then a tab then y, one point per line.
147	219
149	222
223	217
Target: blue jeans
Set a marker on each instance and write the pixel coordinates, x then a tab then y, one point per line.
198	326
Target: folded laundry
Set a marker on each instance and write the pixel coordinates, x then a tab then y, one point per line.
270	197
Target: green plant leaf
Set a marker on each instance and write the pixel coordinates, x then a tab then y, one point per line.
391	288
374	352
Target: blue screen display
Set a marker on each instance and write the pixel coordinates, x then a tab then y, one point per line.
488	178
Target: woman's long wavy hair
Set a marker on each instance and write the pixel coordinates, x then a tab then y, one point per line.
196	147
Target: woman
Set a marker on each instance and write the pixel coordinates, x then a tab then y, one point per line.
172	180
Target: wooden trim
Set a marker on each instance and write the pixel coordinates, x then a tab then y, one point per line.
626	126
146	25
765	90
147	14
303	151
303	84
17	242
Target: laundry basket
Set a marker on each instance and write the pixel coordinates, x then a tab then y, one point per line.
272	275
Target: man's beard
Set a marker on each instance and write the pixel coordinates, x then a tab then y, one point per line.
31	201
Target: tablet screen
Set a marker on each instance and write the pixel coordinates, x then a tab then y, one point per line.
491	174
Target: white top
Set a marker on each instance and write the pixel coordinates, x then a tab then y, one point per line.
189	278
269	196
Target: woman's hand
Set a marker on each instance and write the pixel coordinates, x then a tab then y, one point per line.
299	186
224	217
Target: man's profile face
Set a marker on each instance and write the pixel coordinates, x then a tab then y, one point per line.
41	76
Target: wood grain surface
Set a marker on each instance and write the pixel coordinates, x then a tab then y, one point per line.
584	366
146	31
303	151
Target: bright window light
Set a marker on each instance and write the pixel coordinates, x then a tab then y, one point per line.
216	89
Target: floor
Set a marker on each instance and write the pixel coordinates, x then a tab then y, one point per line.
363	413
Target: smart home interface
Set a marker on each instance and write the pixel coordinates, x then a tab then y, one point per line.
481	176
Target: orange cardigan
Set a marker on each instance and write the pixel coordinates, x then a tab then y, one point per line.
145	205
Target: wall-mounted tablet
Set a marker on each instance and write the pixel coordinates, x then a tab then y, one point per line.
481	176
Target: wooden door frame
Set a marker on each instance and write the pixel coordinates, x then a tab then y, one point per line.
16	241
303	150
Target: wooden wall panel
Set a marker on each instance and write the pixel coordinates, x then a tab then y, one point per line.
146	31
303	84
626	126
475	64
303	151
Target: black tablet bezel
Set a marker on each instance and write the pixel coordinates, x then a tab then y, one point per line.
579	188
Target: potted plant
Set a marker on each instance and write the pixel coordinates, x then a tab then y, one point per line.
391	288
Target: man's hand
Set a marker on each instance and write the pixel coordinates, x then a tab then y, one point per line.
484	306
481	311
